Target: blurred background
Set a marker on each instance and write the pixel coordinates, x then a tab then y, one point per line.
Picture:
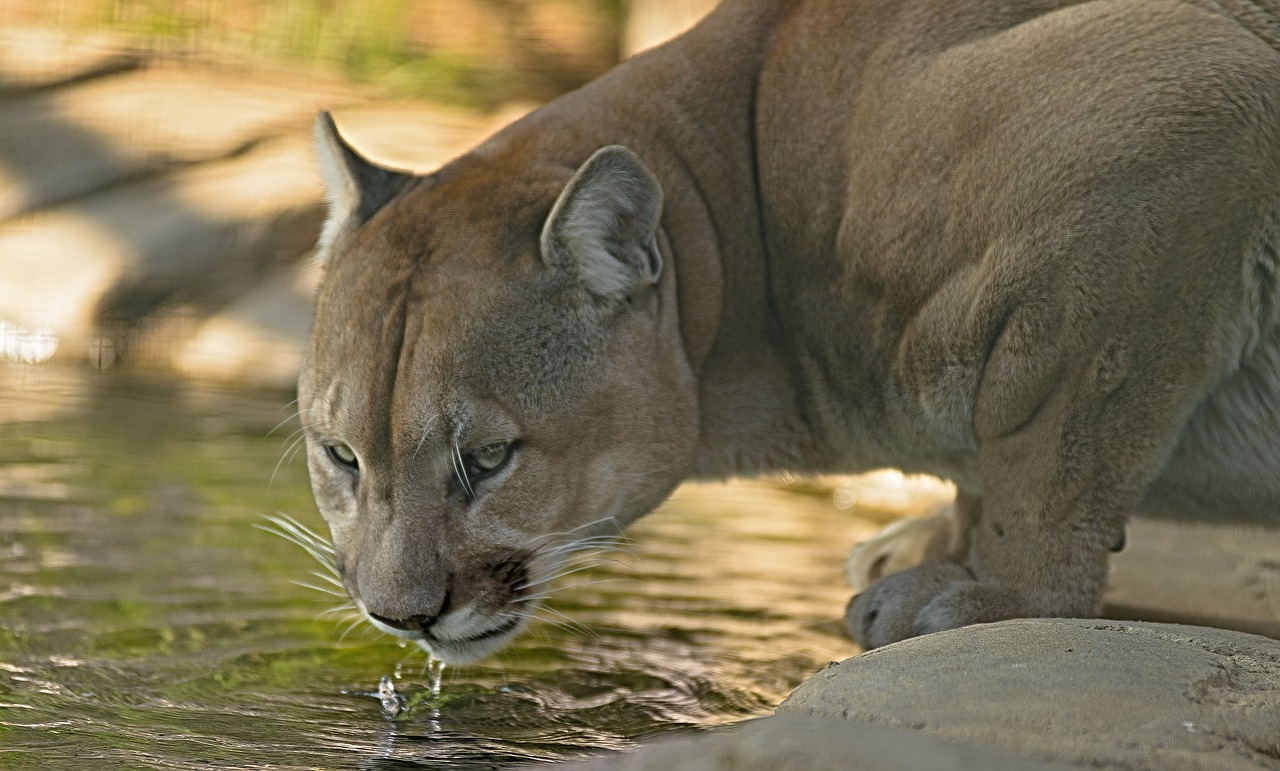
158	206
157	194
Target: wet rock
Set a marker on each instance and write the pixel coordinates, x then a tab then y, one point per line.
811	744
1095	693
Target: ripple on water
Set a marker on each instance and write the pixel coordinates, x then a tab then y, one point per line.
149	623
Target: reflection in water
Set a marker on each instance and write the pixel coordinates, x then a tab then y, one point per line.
149	622
30	346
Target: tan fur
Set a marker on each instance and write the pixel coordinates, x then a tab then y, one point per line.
1027	246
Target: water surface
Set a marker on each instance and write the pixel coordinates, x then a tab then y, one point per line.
146	622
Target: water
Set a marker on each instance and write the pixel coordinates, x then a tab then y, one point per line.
146	622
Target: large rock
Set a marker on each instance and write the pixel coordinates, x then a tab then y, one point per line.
811	744
1024	694
1092	693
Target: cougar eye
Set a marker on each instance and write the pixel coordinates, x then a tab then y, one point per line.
343	455
485	460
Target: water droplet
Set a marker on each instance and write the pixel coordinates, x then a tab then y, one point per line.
391	703
435	673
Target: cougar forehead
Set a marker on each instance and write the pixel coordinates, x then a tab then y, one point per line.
410	283
446	322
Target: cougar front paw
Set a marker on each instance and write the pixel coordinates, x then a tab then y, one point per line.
886	612
900	546
931	597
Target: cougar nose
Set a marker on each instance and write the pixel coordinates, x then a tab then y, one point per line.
410	624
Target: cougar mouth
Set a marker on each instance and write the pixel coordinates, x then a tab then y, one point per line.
506	626
455	650
474	647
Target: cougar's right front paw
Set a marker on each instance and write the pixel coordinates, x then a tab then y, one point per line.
900	546
886	612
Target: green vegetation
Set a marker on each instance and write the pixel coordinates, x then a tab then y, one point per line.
472	52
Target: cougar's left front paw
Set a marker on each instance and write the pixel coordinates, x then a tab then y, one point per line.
931	597
886	612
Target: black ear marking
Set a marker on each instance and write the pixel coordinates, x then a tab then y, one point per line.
375	185
355	187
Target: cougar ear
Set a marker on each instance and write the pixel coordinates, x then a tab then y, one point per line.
603	225
354	187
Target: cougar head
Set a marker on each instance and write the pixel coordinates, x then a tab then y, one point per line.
495	379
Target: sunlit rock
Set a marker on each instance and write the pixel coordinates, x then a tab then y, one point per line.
1094	693
259	338
33	58
811	744
60	144
203	236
